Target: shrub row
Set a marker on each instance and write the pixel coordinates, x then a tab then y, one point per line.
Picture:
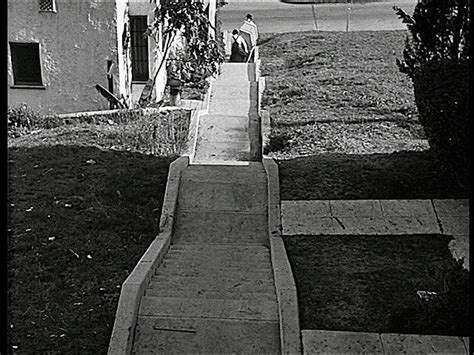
161	132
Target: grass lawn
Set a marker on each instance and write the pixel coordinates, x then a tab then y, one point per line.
345	126
344	120
370	284
84	202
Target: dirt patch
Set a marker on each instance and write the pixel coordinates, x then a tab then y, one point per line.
379	284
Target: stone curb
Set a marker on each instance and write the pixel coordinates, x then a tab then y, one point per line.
265	130
194	124
144	111
261	88
133	288
193	133
290	336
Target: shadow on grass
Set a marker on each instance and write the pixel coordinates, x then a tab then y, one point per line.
399	175
370	284
79	219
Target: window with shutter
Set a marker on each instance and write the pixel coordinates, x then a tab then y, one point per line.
47	5
139	47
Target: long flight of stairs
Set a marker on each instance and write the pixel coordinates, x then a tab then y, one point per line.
214	291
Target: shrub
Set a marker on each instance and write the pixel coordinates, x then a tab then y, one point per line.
436	58
439	31
22	119
441	96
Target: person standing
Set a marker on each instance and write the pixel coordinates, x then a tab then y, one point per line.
239	49
249	32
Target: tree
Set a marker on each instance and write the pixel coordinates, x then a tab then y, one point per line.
200	57
436	58
439	31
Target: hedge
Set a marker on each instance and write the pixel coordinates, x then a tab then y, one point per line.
442	97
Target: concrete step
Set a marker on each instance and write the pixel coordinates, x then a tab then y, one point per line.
233	107
241	89
211	258
221	152
168	335
251	309
220	227
219	127
184	283
203	271
253	173
178	261
211	294
206	250
214	277
235	72
221	196
224	173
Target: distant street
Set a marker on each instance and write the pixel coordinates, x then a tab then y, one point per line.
280	17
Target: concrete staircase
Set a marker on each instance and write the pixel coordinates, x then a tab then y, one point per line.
214	291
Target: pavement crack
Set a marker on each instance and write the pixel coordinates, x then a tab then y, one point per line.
440	225
338	221
175	330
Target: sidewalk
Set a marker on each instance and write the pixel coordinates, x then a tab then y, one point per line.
381	217
214	291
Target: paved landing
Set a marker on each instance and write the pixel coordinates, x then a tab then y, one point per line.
335	342
381	217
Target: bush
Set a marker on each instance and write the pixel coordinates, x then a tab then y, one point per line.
439	31
441	94
21	120
436	58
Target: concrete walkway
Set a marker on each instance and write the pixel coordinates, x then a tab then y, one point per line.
214	292
381	217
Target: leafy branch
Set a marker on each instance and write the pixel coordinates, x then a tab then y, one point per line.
439	30
200	56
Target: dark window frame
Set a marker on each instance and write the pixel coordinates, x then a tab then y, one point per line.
26	64
139	48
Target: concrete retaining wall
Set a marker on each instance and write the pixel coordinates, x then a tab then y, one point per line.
133	288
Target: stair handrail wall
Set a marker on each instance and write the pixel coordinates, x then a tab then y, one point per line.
133	288
290	334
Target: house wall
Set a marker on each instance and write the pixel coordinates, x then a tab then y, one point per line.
123	77
75	44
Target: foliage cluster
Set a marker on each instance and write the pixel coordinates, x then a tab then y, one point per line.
21	119
439	31
200	56
436	58
441	94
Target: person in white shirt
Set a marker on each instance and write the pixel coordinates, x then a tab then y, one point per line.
239	50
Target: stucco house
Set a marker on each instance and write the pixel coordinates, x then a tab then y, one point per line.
59	50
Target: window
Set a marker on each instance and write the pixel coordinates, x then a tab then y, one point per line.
26	64
47	5
139	43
